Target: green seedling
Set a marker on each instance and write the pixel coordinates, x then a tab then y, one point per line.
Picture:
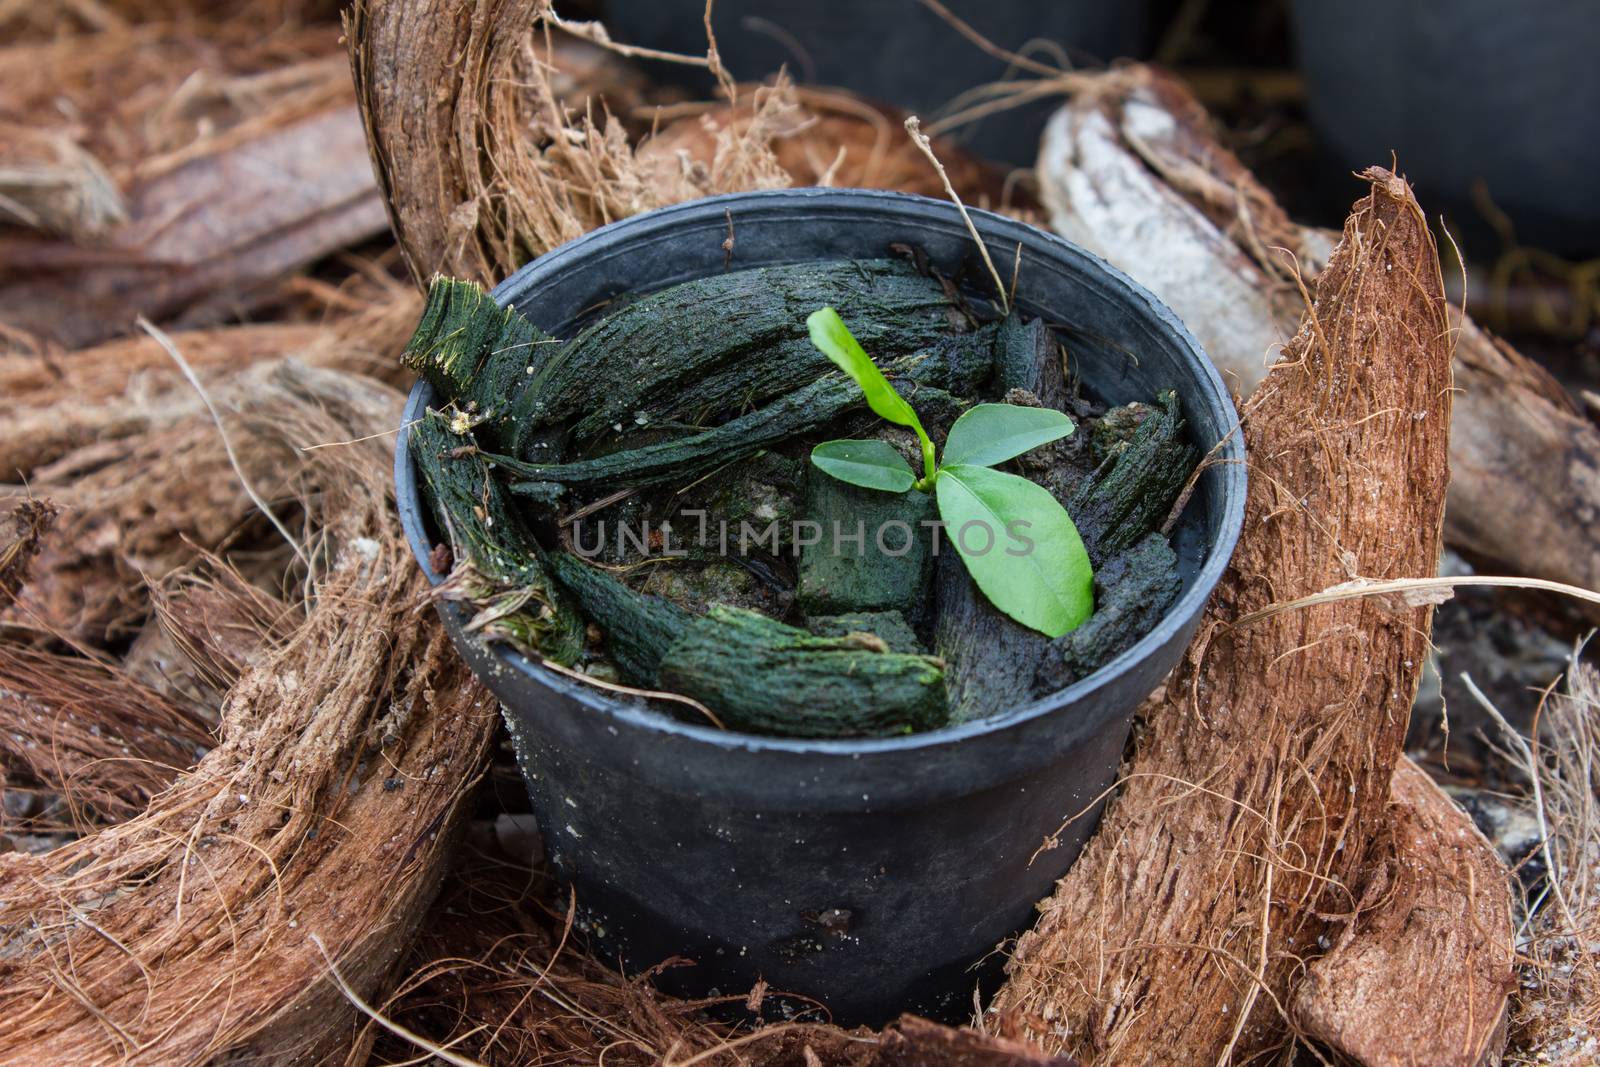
1026	557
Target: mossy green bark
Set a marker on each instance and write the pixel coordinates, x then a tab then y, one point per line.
682	388
1132	493
477	354
920	378
755	673
496	562
870	553
733	339
1114	431
638	628
762	676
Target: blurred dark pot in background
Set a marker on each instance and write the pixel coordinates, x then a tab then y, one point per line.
895	51
1467	91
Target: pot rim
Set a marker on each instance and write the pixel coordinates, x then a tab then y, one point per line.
996	229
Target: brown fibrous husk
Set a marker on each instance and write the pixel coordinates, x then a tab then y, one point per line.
1131	169
341	759
177	167
1253	809
481	165
1428	964
80	731
489	166
117	435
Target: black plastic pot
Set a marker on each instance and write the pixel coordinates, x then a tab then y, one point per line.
896	51
870	874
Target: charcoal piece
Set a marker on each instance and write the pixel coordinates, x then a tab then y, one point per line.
1027	357
1132	592
1132	493
990	660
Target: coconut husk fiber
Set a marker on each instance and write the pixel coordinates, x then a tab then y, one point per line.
312	830
835	139
1131	169
183	165
105	747
1555	1012
1438	912
96	431
497	976
179	167
1255	807
483	165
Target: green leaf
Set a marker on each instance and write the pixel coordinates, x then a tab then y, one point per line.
870	464
834	340
993	433
1038	574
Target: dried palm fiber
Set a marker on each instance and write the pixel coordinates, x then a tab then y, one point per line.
208	624
1555	1011
137	506
837	140
1429	963
145	98
48	183
100	431
30	521
1254	808
160	91
491	170
30	22
81	731
1130	169
238	153
88	743
498	977
481	166
125	387
184	935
